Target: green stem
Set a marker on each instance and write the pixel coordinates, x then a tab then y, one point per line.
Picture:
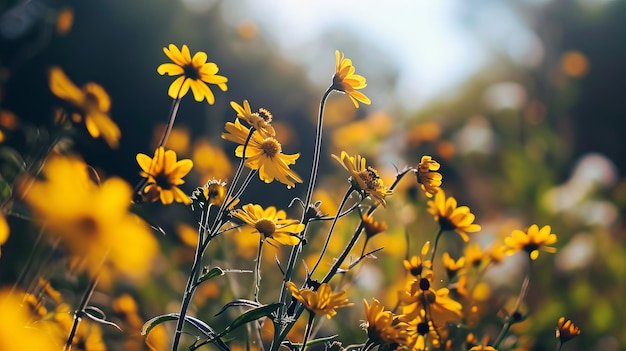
296	249
78	314
510	321
331	229
191	285
257	271
432	257
307	331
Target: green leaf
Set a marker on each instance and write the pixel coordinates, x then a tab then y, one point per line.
97	315
238	303
195	322
250	316
214	272
154	321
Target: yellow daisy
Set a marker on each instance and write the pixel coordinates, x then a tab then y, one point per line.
92	104
566	330
263	154
366	179
451	265
384	327
346	81
272	224
451	217
320	301
195	72
531	241
259	120
428	179
164	174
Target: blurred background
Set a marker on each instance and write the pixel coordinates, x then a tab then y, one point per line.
520	101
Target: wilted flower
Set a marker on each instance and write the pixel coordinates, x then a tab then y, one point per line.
428	179
566	330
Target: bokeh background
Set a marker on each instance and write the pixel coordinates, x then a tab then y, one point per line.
521	102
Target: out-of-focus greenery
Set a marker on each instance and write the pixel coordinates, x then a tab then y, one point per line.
540	143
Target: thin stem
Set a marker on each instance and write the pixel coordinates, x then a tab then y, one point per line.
432	256
510	321
307	331
559	344
296	249
257	271
191	285
331	229
231	188
78	315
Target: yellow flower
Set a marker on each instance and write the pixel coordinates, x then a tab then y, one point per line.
320	301
451	217
272	224
428	179
4	231
16	331
420	296
164	174
383	327
566	330
452	266
371	226
346	81
482	348
365	178
417	264
259	120
93	105
263	154
194	73
93	222
532	241
474	255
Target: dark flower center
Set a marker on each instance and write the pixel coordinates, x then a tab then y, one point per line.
265	114
270	147
163	181
446	224
530	247
191	72
422	328
424	284
265	227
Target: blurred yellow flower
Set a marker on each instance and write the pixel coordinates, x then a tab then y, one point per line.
271	224
263	154
261	120
93	105
474	255
451	265
482	348
451	217
346	81
16	333
531	241
164	173
428	179
195	72
372	226
4	231
216	166
320	301
566	330
384	327
93	222
366	179
416	264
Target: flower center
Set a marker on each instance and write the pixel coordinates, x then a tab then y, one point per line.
370	177
270	147
265	227
530	247
446	224
162	180
191	72
265	114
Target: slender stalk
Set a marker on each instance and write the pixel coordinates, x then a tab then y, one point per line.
331	229
510	321
307	331
559	344
432	256
191	285
296	249
229	192
257	271
80	311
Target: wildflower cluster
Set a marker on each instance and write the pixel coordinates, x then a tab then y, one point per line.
98	230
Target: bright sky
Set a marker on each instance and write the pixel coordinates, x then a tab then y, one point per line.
432	51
